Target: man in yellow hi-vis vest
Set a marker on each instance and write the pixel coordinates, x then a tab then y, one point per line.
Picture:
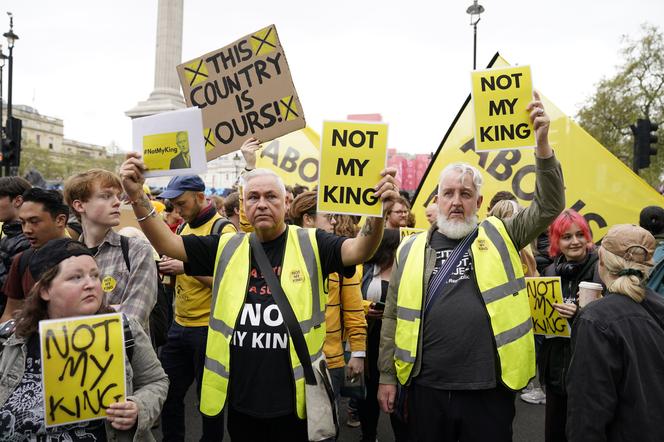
464	347
250	359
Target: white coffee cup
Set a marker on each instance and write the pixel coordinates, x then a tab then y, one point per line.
589	292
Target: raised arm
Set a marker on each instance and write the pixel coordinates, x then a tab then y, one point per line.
160	236
359	249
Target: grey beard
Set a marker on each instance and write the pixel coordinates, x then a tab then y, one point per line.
456	229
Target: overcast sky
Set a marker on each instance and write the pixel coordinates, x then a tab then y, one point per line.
87	62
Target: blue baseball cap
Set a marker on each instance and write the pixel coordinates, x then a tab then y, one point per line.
180	184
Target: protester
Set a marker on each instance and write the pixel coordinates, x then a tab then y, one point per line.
218	202
575	260
651	218
183	355
232	211
375	280
501	195
68	285
171	217
460	368
13	240
614	383
431	212
43	216
503	210
94	196
396	213
344	314
265	397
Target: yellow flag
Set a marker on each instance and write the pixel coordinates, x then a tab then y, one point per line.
597	184
294	157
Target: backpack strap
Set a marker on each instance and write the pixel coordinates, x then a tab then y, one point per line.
124	245
24	260
128	337
218	226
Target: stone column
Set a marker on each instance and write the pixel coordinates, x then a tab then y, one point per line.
166	94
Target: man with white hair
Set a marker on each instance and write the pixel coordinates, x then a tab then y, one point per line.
250	358
456	329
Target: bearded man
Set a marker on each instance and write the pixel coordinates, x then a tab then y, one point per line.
457	332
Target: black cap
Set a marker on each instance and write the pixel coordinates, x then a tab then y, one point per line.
53	253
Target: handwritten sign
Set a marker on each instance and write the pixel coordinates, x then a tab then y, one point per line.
405	232
352	156
244	90
83	367
500	97
171	143
543	292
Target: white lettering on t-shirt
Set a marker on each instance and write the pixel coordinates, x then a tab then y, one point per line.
254	313
267	316
238	338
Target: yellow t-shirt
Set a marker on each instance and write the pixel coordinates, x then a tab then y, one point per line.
192	298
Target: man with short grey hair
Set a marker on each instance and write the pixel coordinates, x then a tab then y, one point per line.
457	329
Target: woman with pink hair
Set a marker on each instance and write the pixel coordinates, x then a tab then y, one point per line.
574	260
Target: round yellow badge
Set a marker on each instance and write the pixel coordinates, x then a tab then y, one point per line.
108	283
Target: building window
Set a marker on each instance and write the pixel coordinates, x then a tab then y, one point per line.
50	146
38	139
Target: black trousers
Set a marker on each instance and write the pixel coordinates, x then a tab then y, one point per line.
245	428
460	415
555	416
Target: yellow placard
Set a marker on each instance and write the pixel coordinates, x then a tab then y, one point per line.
543	292
500	97
294	157
352	156
405	232
597	184
167	151
83	367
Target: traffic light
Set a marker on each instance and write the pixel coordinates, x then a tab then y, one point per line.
11	145
644	140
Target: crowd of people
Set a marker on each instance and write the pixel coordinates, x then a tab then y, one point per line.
434	329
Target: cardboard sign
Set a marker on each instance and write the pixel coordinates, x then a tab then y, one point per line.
543	292
171	143
500	97
597	184
244	90
83	367
405	232
352	156
294	157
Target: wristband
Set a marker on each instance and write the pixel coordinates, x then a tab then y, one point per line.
152	214
248	170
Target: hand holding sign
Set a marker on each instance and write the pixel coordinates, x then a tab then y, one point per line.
541	122
122	415
567	311
131	173
249	149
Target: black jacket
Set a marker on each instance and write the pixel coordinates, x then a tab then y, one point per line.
13	241
554	355
615	389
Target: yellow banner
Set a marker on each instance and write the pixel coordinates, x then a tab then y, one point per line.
352	156
500	97
83	367
543	292
405	232
294	157
166	151
597	184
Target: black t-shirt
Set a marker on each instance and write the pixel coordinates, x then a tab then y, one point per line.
22	415
457	348
261	377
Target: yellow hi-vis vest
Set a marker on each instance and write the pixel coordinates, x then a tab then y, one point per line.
499	276
302	282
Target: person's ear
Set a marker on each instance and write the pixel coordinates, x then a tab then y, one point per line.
44	294
61	220
479	201
77	205
17	201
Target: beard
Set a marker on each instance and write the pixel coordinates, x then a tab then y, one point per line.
456	229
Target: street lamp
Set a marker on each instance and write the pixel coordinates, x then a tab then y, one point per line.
3	59
474	11
11	39
236	165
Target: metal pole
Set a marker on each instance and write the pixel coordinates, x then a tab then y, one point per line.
475	44
9	83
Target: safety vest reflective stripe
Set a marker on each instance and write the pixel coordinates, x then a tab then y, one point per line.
216	367
515	333
407	314
403	355
298	371
311	263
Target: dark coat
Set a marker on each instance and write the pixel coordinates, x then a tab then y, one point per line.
555	353
13	242
615	389
178	162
